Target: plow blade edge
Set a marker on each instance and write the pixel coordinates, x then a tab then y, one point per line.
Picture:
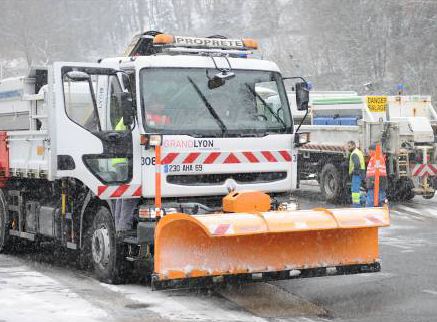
195	250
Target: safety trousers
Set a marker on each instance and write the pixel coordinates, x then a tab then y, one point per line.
371	200
355	189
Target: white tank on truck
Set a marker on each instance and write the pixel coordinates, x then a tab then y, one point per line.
404	125
182	126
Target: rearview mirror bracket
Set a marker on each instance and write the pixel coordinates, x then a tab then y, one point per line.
127	108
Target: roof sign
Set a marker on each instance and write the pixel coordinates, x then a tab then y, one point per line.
182	41
208	42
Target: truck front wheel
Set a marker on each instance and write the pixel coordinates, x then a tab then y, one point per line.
104	249
330	182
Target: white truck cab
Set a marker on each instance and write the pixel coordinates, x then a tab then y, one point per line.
214	139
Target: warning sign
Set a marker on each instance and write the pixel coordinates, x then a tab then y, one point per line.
377	103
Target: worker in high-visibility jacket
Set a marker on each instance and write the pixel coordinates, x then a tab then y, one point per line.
357	169
370	178
120	164
154	111
125	208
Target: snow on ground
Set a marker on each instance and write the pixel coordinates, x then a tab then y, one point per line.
185	306
24	291
418	210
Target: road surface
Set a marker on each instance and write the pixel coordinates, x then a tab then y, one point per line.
38	285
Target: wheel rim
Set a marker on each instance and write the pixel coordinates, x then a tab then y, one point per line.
101	246
330	184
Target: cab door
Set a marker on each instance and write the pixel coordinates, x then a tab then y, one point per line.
92	142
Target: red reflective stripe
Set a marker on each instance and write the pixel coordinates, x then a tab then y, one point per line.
191	158
419	169
269	156
221	229
231	159
119	191
432	168
211	157
251	157
169	158
101	190
137	192
285	155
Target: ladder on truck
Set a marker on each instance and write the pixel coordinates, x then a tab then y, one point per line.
403	164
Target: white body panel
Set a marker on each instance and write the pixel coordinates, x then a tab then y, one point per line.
14	109
23	115
29	153
188	62
222	147
417	127
331	134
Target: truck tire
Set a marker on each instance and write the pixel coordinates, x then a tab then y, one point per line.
331	183
400	190
4	225
105	253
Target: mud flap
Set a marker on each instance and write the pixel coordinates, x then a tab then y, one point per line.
193	250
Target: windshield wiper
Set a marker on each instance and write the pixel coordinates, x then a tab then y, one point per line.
208	105
266	105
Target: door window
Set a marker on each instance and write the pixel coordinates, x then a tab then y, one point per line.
79	103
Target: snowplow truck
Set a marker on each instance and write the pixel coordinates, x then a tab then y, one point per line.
406	127
177	128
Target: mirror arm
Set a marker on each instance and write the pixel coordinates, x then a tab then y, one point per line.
295	77
130	85
301	122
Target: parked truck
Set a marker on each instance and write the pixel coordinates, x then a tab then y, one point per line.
406	126
218	140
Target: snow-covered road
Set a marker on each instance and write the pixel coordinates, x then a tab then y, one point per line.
31	290
28	295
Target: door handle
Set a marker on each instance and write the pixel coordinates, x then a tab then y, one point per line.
114	136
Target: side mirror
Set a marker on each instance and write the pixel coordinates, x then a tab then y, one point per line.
302	96
77	76
127	108
220	79
126	82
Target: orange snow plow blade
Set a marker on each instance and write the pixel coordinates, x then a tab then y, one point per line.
193	251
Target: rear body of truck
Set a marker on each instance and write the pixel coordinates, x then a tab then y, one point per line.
404	125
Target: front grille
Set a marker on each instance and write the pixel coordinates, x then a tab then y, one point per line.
220	178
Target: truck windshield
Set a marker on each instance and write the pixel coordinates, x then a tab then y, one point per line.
178	101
